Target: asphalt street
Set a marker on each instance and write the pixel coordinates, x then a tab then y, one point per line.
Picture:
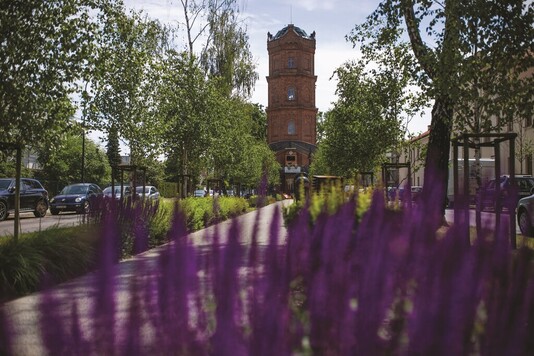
29	223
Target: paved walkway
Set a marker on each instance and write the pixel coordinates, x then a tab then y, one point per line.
24	313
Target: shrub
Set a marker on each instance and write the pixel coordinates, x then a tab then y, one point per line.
57	254
202	212
330	202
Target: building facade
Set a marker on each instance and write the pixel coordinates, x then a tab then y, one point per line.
291	110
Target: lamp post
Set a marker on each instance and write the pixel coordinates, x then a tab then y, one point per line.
84	113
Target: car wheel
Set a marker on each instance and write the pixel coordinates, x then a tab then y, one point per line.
86	207
40	209
3	211
54	211
524	224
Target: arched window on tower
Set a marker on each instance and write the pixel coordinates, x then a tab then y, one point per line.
291	93
291	129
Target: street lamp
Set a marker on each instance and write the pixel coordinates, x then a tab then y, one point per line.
84	113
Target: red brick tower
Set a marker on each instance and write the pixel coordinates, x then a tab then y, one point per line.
291	111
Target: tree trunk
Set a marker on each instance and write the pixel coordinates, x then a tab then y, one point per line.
437	157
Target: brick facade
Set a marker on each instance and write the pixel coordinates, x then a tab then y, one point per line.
291	111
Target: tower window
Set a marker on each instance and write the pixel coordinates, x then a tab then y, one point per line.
291	62
291	93
291	130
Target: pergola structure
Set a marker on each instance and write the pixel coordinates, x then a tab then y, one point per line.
183	178
129	168
467	141
216	183
366	179
388	167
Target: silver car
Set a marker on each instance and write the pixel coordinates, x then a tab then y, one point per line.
107	191
525	215
151	193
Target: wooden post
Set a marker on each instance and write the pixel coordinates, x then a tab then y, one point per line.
513	242
17	193
465	200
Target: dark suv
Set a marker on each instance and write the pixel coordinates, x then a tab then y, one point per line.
509	195
33	197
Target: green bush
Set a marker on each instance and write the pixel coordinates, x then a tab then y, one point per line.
328	201
257	201
202	212
160	222
58	254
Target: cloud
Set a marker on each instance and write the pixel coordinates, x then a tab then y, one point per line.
312	5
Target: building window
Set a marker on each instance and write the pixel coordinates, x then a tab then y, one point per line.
291	159
291	129
529	164
291	93
291	62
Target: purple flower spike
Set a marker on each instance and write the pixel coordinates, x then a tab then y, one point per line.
228	339
6	334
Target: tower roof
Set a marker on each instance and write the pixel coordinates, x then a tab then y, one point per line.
300	32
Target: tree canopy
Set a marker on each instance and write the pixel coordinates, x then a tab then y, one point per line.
63	165
374	102
45	48
462	48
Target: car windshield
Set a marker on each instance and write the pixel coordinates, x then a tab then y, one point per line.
4	183
74	189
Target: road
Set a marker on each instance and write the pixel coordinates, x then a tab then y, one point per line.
488	218
29	223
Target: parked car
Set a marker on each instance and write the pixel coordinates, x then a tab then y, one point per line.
416	192
525	215
33	197
108	192
151	193
199	193
75	197
523	187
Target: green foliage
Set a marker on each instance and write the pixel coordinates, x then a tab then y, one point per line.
256	201
58	254
7	165
225	55
202	212
329	201
160	222
125	81
62	166
45	48
184	109
113	152
373	102
472	62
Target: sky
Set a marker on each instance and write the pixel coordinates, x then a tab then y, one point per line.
331	20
